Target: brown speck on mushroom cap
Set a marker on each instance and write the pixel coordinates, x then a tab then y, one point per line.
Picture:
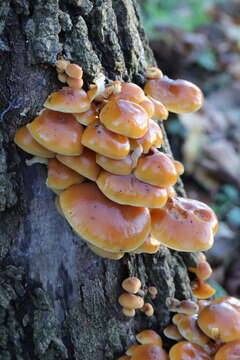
129	190
116	227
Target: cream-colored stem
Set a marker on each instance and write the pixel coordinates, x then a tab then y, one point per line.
37	160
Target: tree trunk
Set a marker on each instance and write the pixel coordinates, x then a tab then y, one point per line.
57	299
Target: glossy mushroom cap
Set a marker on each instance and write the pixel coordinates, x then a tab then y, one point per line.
26	142
129	190
131	284
153	73
58	132
148	106
229	300
68	100
84	164
189	329
179	167
179	96
153	137
87	117
220	321
148	309
187	307
202	290
130	92
181	225
103	223
149	352
118	167
74	71
229	351
150	246
203	270
106	254
172	332
184	350
149	337
125	118
130	301
103	141
157	169
60	176
160	111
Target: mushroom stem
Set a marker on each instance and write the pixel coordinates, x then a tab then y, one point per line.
36	160
98	89
136	155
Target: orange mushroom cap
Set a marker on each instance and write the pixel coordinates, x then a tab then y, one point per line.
229	300
68	100
149	352
148	106
60	176
130	92
74	71
118	167
58	132
203	270
160	111
149	337
153	72
189	329
74	83
150	246
102	222
179	167
103	141
153	137
131	284
26	142
185	350
172	332
147	309
131	349
84	164
130	301
106	254
129	190
87	117
125	118
181	226
229	351
179	96
187	307
129	312
202	290
220	321
156	168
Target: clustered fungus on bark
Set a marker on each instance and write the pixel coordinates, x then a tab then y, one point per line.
116	190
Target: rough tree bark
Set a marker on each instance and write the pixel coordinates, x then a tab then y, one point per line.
57	299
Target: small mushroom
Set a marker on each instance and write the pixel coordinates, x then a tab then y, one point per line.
202	290
125	118
179	96
160	111
129	312
26	142
61	65
189	329
87	117
103	141
68	100
58	132
130	301
149	337
153	73
153	291
203	270
74	71
152	138
131	284
185	350
130	92
172	332
187	307
103	223
129	190
147	309
117	167
149	352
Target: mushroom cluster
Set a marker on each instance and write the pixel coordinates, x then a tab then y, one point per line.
113	185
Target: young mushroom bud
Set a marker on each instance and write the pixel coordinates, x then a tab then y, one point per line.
147	309
74	71
149	337
203	270
130	301
131	284
153	73
61	65
153	292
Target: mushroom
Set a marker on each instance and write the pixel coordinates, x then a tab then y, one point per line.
187	307
57	132
87	117
153	291
229	300
185	350
150	246
229	351
149	352
130	301
103	223
131	284
149	337
106	254
129	312
131	349
152	138
130	92
189	329
160	111
26	142
61	65
60	176
153	73
202	290
203	270
179	96
181	226
220	321
171	332
118	167
148	106
129	190
74	71
156	168
84	164
179	167
125	118
147	309
74	83
68	100
103	141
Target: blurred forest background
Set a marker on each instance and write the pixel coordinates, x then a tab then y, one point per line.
200	41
